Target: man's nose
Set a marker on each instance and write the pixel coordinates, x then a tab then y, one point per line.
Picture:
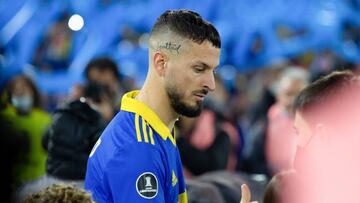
209	82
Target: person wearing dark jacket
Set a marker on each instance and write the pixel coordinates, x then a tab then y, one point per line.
70	138
74	130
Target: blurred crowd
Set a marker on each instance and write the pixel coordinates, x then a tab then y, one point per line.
247	129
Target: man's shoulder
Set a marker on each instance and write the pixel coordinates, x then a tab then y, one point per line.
126	130
120	131
133	129
123	120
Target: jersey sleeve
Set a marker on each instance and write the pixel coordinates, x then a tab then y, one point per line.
135	174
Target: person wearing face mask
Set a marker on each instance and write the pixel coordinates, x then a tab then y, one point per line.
24	110
74	129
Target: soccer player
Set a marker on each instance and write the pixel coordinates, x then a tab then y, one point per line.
136	158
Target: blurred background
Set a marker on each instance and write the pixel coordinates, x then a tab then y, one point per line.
54	40
271	49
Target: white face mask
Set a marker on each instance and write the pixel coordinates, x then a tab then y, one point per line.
23	103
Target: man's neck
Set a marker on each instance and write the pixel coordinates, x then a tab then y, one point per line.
159	103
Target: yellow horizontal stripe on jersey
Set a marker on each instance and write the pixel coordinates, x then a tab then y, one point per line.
138	135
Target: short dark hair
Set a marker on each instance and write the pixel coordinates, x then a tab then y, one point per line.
187	24
320	92
102	63
59	193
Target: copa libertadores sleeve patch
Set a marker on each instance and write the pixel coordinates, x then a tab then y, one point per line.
147	185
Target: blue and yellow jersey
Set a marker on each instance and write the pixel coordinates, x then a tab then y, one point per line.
136	159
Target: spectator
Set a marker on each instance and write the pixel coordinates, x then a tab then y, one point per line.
280	137
105	71
283	187
15	147
75	129
327	141
24	112
54	51
209	142
326	120
203	145
254	124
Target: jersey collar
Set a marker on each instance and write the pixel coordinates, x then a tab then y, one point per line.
130	104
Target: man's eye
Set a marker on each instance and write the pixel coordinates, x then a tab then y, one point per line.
198	70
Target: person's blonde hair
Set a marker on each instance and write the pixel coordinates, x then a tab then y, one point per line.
59	193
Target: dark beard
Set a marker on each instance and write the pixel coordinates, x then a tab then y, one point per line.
180	107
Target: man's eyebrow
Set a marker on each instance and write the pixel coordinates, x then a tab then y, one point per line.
205	65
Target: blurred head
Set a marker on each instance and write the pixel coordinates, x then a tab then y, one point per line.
105	71
284	187
23	94
323	106
184	51
327	122
291	82
60	194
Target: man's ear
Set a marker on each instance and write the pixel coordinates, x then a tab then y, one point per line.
160	60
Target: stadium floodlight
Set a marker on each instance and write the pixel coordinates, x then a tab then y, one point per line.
76	22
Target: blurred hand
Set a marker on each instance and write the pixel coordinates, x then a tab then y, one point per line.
246	194
106	110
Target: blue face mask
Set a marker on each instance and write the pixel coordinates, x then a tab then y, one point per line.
22	103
